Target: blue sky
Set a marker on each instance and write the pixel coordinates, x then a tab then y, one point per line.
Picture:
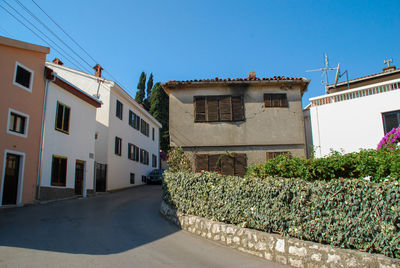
181	40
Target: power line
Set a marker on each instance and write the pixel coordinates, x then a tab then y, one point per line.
68	57
44	25
76	43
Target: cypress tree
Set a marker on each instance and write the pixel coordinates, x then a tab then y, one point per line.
140	94
159	109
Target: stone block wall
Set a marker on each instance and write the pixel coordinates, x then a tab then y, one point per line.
273	247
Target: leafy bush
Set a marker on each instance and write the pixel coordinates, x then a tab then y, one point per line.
377	165
178	160
349	213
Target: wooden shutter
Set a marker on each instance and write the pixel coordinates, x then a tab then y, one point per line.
272	155
283	100
199	109
212	109
225	108
227	165
237	108
267	100
240	164
214	162
201	162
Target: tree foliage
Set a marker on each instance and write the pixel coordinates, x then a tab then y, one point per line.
159	109
140	94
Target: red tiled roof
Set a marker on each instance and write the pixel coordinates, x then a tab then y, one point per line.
216	79
364	77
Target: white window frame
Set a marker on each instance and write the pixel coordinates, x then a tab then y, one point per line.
25	135
31	79
20	179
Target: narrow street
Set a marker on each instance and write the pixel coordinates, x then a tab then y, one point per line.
121	229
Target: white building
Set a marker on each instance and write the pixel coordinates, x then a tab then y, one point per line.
67	158
357	115
127	136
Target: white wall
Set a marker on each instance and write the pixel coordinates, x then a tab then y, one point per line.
120	167
108	126
352	124
77	145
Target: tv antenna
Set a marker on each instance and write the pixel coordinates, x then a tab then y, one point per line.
325	71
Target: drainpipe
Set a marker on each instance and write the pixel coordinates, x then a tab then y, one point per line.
42	134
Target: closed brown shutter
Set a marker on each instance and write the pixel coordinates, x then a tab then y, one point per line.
214	162
240	165
275	100
284	102
225	108
237	108
267	100
200	109
212	109
201	162
227	165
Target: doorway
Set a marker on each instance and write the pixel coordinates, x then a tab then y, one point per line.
11	179
79	176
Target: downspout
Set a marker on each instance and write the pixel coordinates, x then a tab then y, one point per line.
42	134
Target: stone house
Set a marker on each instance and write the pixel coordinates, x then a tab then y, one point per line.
356	115
21	106
127	143
67	159
227	124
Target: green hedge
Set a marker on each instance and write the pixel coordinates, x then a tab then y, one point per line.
349	213
377	164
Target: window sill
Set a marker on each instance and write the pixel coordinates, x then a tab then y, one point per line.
62	131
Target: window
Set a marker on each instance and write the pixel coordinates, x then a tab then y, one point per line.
132	119
59	171
144	128
234	164
119	109
218	108
62	117
144	157
137	122
154	161
118	146
17	123
152	133
272	155
391	120
132	178
275	100
133	152
23	77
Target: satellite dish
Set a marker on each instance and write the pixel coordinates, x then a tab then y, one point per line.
337	74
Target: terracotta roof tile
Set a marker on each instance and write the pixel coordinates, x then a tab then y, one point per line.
216	79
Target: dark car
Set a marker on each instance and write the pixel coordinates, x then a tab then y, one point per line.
155	176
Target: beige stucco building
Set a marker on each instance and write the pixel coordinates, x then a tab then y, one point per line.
226	124
21	107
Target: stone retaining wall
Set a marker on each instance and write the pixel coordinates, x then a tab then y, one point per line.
273	247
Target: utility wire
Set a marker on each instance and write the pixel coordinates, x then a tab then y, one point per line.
76	43
44	25
68	57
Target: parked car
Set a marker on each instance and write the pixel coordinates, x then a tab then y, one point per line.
155	176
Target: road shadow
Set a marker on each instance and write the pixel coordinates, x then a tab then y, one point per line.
99	225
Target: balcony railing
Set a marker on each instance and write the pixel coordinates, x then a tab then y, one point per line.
355	93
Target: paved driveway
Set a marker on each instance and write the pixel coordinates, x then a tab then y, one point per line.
122	229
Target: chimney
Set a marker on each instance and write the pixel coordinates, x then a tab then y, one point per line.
389	68
58	61
97	70
252	75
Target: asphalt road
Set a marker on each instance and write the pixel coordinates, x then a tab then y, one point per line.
121	229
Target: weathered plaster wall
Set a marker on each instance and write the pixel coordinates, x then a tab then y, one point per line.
262	126
273	247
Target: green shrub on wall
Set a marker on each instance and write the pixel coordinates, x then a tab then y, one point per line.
349	213
376	164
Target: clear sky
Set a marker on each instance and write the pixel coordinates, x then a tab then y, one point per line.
182	40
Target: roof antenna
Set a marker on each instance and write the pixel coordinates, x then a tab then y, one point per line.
339	75
325	71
